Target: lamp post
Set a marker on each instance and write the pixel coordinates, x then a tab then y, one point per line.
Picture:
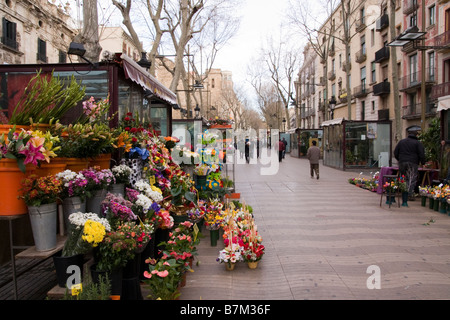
284	124
197	112
332	104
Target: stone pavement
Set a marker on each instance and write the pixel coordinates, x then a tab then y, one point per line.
321	236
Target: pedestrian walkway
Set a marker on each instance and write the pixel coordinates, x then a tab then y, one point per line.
322	236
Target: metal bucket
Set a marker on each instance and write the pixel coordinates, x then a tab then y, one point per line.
43	224
71	205
94	204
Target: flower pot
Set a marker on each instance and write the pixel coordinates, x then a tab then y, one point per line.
5	128
390	199
94	203
405	199
200	182
443	207
214	236
252	264
71	205
61	266
431	203
102	160
74	164
115	277
131	288
424	201
229	266
436	205
118	189
51	168
43	224
137	166
10	184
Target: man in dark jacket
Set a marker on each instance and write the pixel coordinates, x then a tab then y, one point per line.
409	153
280	150
313	155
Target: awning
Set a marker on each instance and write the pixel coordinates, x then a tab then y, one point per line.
139	75
443	103
332	122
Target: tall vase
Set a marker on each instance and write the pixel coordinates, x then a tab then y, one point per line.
131	288
430	203
436	205
43	224
71	205
424	201
214	236
94	203
443	206
137	166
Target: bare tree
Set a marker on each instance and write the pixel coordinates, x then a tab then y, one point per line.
89	34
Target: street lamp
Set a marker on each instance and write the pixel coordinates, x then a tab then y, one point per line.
197	112
284	124
332	104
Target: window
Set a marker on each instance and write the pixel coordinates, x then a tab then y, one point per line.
373	76
372	37
9	34
432	15
363	77
363	16
213	83
413	68
373	106
340	60
431	66
62	57
41	51
413	20
333	90
363	44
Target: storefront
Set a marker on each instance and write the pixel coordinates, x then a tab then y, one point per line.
301	140
356	144
129	86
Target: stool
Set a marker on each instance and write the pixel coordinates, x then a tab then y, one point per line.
389	179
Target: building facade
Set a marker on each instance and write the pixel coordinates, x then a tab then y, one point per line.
34	32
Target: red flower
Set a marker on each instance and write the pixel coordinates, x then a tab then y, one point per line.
126	118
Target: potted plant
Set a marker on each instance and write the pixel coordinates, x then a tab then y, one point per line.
117	209
86	231
98	182
40	195
162	279
230	255
122	175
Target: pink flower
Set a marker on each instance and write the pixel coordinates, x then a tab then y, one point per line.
32	154
163	274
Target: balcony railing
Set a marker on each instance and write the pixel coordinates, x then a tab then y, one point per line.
361	56
360	25
382	54
409	6
382	88
382	23
415	110
360	91
442	40
440	90
331	75
414	80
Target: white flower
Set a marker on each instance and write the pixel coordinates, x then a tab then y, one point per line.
144	202
78	219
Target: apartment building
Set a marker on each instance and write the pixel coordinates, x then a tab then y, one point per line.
34	32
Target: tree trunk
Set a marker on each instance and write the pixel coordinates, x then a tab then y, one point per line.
89	35
394	66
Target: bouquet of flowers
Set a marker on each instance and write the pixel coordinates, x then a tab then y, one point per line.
202	169
86	231
214	216
164	219
139	232
98	179
122	173
163	278
152	192
230	254
253	249
37	191
198	212
28	147
116	249
117	209
73	184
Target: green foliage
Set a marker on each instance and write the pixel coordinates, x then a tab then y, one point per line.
46	98
431	139
92	291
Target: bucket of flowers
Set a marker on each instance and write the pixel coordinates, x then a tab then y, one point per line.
122	175
230	255
117	209
86	231
253	249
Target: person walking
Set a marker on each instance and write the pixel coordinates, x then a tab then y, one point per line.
280	150
285	146
410	153
313	155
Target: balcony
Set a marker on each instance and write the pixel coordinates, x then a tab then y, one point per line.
382	88
360	25
361	56
409	6
382	23
414	111
382	55
440	90
360	91
413	81
346	66
442	40
409	47
321	106
331	52
331	75
343	98
321	81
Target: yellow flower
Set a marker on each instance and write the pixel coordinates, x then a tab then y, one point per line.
94	232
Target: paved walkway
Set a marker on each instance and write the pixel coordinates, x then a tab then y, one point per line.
321	236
